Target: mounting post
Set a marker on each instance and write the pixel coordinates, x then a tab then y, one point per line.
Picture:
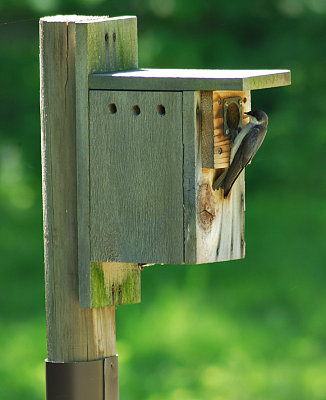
70	48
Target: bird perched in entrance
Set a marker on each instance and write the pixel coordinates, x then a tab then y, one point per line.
245	146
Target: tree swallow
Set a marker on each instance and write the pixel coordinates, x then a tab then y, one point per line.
245	146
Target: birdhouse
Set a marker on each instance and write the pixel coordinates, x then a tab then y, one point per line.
132	161
157	141
150	143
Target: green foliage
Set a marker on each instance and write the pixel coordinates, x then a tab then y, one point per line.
252	329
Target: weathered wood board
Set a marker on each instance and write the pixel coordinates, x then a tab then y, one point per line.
114	284
192	165
136	177
214	226
102	45
207	129
73	334
220	222
191	79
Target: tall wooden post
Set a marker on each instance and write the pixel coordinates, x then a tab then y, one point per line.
75	335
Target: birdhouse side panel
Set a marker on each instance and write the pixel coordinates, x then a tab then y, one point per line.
214	226
220	222
136	177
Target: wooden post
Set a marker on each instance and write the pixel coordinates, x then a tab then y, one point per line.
74	334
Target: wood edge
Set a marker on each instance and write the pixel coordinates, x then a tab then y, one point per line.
275	80
105	81
82	159
83	19
112	286
192	156
207	128
73	18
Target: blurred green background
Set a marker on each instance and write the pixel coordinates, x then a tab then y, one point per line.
249	329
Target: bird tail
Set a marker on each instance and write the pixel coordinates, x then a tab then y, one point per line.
227	191
219	181
229	182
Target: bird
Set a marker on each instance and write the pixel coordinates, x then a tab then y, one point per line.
245	146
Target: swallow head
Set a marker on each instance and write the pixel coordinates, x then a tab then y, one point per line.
257	117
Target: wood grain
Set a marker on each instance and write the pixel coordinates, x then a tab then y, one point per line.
214	226
207	129
222	157
136	191
222	237
220	223
109	44
192	165
190	79
73	334
115	284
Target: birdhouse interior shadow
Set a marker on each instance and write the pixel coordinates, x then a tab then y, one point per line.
233	119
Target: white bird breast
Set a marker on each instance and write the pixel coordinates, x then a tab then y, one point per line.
239	138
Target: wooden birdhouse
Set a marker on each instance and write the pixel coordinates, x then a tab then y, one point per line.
149	145
157	141
129	159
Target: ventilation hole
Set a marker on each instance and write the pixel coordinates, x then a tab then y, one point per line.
160	110
135	110
112	108
106	37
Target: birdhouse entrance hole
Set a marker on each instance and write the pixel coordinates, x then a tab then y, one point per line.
232	116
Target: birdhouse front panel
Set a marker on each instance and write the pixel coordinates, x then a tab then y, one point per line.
136	177
153	159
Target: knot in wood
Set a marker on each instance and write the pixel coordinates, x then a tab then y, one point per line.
206	207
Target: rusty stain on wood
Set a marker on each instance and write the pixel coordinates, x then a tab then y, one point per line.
206	206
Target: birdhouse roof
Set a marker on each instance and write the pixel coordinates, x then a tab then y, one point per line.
190	79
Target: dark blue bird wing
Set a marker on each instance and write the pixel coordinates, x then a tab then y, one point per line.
245	153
